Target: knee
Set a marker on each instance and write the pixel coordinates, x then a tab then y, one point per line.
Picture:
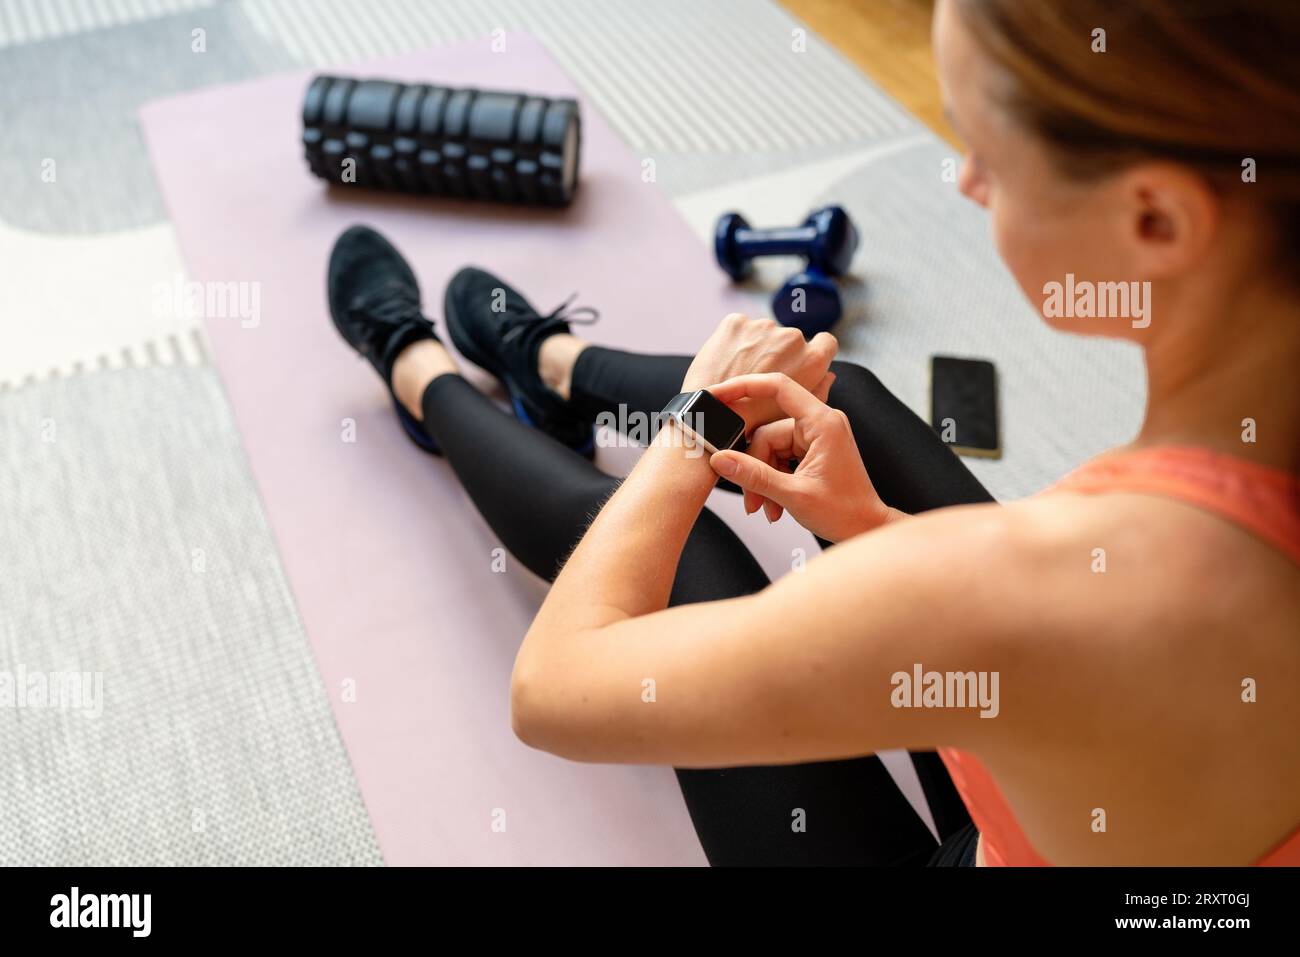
852	380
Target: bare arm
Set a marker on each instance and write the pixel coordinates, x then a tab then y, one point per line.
802	671
799	672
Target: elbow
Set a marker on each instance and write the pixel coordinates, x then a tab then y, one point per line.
537	717
524	714
544	713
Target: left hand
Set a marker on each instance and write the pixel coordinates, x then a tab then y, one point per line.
740	346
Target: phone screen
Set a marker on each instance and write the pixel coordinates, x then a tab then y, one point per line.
964	405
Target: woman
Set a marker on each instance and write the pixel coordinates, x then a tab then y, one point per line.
1139	622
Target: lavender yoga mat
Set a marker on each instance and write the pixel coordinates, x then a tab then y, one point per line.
413	630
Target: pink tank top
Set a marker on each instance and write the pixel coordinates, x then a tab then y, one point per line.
1262	500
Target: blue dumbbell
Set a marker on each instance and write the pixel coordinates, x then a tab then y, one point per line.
827	239
809	300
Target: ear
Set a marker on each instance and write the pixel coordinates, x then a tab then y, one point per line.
1171	216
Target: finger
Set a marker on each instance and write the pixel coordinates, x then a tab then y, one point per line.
773	444
754	476
823	389
792	398
763	504
778	445
773	441
824	344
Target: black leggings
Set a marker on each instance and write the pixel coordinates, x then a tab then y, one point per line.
539	497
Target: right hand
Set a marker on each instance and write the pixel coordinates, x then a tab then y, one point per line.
741	345
829	492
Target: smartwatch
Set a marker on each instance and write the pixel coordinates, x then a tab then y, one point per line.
706	419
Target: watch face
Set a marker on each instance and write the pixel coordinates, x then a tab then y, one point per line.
713	421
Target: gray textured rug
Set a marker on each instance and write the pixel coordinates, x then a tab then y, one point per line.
137	552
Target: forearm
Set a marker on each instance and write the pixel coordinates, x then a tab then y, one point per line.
625	564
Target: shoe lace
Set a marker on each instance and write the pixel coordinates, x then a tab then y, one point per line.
389	305
561	315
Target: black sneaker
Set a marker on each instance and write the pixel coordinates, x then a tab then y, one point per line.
375	303
497	329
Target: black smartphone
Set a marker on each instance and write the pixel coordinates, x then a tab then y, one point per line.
964	405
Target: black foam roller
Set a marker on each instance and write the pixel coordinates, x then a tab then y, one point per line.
420	138
372	105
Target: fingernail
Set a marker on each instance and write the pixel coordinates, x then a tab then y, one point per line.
724	465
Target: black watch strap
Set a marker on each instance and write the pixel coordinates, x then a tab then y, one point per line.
677	403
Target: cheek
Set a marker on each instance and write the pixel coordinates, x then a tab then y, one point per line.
1031	249
1041	238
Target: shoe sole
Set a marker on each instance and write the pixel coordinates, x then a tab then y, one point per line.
464	343
414	430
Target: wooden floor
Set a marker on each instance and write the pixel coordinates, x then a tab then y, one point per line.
889	40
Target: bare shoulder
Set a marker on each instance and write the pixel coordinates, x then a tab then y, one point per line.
1147	613
1152	560
1086	597
1145	653
1163	638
